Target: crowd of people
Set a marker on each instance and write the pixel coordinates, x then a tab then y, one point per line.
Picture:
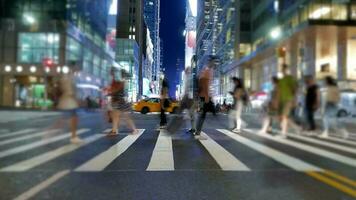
281	108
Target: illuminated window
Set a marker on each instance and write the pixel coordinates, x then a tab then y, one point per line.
33	47
74	49
339	12
353	11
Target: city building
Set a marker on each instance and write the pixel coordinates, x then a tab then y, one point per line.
130	44
313	37
148	86
190	31
253	38
206	18
60	34
152	19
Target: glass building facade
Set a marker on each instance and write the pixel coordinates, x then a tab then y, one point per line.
152	19
70	32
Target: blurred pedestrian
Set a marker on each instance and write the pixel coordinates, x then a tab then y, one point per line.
272	107
330	108
239	95
312	102
204	82
164	103
187	103
69	104
287	88
120	106
188	98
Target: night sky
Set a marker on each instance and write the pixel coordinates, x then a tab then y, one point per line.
172	27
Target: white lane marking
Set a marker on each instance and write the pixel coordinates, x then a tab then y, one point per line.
21	132
26	137
39	143
276	155
317	151
48	156
162	157
339	140
41	186
323	143
101	161
225	159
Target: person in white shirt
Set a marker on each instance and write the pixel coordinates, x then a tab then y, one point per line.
330	108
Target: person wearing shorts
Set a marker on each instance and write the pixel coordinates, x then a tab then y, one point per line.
287	88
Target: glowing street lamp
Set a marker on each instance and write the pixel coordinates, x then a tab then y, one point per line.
29	18
276	33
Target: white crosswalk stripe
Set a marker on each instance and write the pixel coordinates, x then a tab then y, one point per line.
276	155
48	156
26	137
101	161
343	141
225	159
33	145
162	157
16	133
322	143
314	150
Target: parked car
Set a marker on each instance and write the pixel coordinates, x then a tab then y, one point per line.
153	105
347	105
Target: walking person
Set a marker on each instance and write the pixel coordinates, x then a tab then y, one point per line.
272	108
205	78
287	88
330	108
164	103
239	94
187	103
312	102
120	107
69	104
188	98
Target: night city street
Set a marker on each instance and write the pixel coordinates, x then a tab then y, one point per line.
178	99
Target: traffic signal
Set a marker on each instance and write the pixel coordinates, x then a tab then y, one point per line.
47	62
281	52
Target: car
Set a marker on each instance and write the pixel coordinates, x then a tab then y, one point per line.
347	105
153	105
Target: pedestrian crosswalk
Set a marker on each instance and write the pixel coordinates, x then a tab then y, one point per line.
17	157
163	155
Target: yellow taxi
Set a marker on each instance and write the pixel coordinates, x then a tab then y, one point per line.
153	105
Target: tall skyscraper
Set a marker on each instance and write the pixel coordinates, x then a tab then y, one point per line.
68	33
130	34
152	19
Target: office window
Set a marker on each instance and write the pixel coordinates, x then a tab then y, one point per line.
318	11
339	12
87	60
353	12
74	50
33	47
96	64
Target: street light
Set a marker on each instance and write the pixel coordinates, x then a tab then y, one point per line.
29	18
33	69
19	68
7	68
276	33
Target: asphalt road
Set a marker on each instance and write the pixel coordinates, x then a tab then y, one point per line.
38	162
